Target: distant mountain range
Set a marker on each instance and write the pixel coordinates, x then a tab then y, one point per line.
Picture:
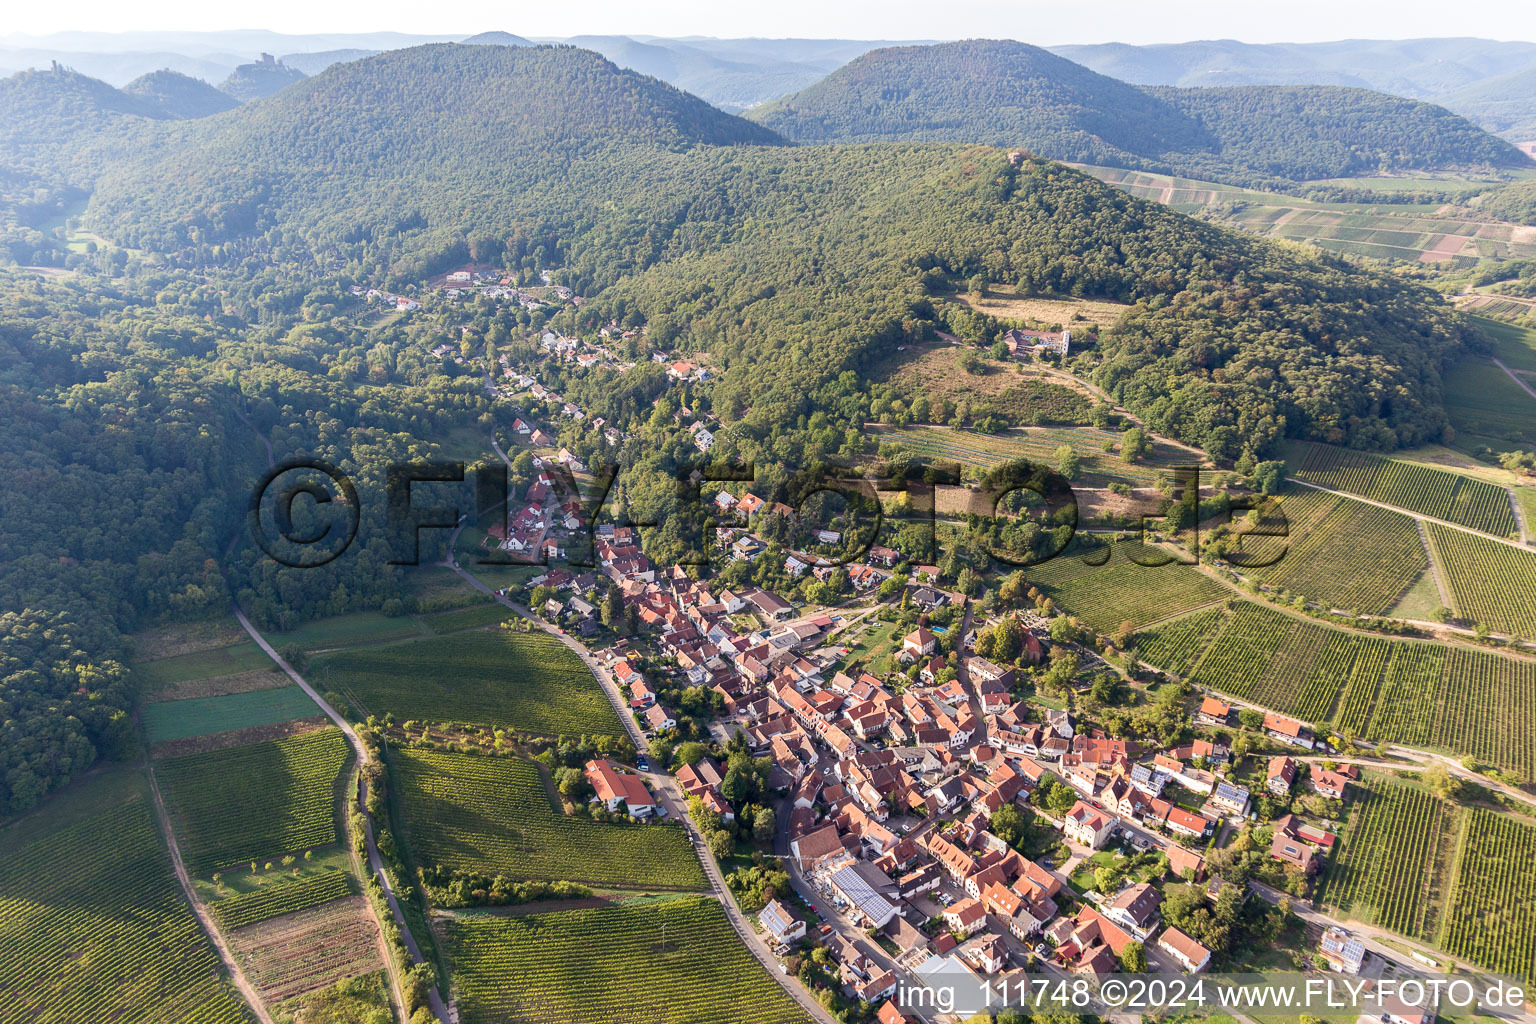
1491	83
1006	93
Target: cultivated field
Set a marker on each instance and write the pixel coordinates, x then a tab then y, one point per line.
675	962
492	816
526	681
1122	590
1039	444
1343	553
1175	646
201	716
1416	232
1491	918
256	802
1491	583
198	663
282	898
1394	860
1487	408
93	926
1412	486
310	949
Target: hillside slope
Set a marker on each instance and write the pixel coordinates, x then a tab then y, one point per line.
62	126
179	96
996	92
793	265
1008	93
1303	132
1505	105
259	79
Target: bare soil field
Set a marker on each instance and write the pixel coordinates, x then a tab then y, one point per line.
308	950
169	641
222	686
1001	302
239	737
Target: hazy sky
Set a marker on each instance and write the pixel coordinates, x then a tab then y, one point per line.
1037	21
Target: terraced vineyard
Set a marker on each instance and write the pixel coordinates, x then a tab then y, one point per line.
1175	646
1491	583
281	898
1431	492
681	954
255	802
492	815
1389	869
526	681
1346	554
93	926
1491	918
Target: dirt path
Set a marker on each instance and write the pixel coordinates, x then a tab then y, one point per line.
1421	517
375	861
1513	376
237	976
1434	565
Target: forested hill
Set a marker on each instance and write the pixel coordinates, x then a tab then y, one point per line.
997	92
1008	93
62	125
791	265
179	96
1304	132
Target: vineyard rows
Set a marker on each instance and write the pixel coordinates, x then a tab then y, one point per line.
676	962
1383	870
526	681
1121	590
1354	556
1175	646
281	898
255	802
93	927
1491	583
492	815
1431	492
1491	918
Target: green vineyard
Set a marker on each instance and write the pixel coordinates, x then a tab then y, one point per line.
255	802
1176	645
1346	554
675	962
1431	492
281	898
1491	583
93	926
1122	590
1491	919
1386	867
1468	702
526	681
200	716
492	815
